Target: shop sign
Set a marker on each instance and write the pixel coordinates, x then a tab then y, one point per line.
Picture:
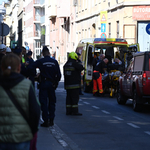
141	13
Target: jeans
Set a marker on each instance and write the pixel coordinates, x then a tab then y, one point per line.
15	146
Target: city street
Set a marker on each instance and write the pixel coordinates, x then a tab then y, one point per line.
104	125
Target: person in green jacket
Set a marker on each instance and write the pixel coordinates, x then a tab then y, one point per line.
15	132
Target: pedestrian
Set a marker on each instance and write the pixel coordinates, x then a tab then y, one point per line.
23	58
50	76
2	53
20	109
52	55
72	82
97	77
31	71
18	51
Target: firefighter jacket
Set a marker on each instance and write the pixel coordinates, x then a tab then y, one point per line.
72	74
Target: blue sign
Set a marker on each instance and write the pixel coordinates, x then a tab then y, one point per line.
103	27
148	29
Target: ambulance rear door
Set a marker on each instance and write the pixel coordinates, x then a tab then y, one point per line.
89	61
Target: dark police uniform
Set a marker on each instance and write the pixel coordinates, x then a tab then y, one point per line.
50	75
72	83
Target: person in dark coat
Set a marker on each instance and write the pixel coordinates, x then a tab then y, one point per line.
72	82
50	76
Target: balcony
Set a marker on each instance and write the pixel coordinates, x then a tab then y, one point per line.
39	3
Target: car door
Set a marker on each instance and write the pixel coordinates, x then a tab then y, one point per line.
126	79
89	59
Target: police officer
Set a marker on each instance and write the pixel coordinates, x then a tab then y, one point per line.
72	83
50	76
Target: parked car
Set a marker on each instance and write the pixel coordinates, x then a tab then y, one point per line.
135	82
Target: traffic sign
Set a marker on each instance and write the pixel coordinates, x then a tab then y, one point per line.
103	35
148	29
4	29
103	27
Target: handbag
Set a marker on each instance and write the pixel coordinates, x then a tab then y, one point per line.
13	99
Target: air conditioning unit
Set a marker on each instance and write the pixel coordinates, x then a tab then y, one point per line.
75	2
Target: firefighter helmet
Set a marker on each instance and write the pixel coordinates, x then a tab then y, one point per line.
73	55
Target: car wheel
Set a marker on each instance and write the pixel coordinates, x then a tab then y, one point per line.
136	105
120	98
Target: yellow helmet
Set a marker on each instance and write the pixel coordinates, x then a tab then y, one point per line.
73	55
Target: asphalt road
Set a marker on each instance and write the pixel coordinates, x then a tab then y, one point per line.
104	125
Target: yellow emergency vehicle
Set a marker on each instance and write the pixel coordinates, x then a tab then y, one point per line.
111	47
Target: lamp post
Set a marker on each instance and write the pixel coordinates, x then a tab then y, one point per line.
2	13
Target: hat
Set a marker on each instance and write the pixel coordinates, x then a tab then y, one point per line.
17	50
29	53
8	50
2	47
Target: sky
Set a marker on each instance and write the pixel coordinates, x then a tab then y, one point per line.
1	1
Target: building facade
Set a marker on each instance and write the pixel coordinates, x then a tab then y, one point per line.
61	24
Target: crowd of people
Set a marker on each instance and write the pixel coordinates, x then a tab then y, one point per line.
19	107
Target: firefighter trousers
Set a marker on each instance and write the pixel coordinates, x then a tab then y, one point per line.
97	82
72	100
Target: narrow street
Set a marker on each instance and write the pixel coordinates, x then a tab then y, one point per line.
104	125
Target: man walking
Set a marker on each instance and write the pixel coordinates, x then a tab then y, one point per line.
72	83
50	76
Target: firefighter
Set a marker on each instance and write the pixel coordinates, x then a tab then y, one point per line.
97	77
72	83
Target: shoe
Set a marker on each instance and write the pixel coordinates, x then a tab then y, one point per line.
76	114
51	122
45	124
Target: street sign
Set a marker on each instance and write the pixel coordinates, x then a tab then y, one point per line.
4	29
103	35
103	27
148	29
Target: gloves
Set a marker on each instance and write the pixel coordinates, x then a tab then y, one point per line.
55	85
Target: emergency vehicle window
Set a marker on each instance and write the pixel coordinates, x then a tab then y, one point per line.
90	58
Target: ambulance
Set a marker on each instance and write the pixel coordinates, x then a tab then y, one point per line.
111	47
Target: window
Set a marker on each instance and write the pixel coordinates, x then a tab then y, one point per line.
117	29
138	63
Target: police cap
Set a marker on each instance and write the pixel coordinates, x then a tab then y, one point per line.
2	47
17	50
29	53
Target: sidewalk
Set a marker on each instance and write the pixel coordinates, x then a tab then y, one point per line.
46	141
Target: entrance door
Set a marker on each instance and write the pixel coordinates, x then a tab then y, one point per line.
143	37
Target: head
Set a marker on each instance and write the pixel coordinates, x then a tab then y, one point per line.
3	48
10	63
18	51
102	56
45	51
117	60
29	54
8	50
105	60
23	51
73	55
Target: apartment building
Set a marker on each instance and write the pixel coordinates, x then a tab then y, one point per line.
61	24
114	19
